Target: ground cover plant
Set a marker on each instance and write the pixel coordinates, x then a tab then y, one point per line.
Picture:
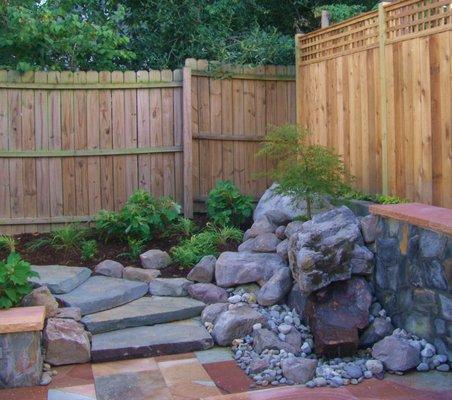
303	171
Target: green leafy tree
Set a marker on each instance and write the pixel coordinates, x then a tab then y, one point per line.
303	170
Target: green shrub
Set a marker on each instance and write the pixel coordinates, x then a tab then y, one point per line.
135	249
304	171
204	243
353	194
183	226
68	238
89	250
14	274
8	243
227	206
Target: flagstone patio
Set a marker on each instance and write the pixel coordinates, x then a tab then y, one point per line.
211	375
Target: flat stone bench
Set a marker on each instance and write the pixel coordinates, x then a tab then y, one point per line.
20	346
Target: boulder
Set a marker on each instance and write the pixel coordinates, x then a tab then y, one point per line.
335	315
368	226
396	354
66	342
281	232
293	228
272	201
204	271
212	311
283	250
173	287
264	243
362	262
208	293
296	300
155	259
320	252
377	330
235	323
109	268
69	312
299	370
265	339
278	217
276	288
234	269
140	274
41	296
259	227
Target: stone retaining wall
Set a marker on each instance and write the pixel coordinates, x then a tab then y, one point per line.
413	276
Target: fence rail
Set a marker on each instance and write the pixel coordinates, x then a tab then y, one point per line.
74	143
377	88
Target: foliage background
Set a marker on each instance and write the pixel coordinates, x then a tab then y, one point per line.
157	34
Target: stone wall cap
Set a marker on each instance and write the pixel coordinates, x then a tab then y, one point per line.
423	215
22	319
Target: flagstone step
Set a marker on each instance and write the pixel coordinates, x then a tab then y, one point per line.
145	311
149	341
100	293
59	279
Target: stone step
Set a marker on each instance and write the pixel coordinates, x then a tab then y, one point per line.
150	341
101	293
144	311
59	279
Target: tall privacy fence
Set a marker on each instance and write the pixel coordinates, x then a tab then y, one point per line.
378	89
74	143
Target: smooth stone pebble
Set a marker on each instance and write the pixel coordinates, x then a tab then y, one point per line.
422	367
443	368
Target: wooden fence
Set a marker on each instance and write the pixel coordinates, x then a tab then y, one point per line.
377	88
74	143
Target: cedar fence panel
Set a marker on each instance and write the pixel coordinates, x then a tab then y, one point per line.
74	143
377	88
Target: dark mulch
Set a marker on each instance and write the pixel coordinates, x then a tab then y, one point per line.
111	251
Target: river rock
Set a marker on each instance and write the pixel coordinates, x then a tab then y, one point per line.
173	287
155	259
259	227
204	270
265	339
299	370
377	330
208	293
276	288
41	296
235	323
234	269
140	274
281	232
335	315
263	243
320	252
69	312
396	354
109	268
212	311
66	342
283	250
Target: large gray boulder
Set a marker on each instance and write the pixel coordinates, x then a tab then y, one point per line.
173	287
260	226
208	293
265	339
271	201
235	324
140	274
320	253
66	342
396	354
155	259
296	300
362	262
377	330
234	269
109	268
213	311
299	370
276	289
204	271
264	243
41	296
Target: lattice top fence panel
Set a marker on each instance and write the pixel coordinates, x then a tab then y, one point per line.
414	16
353	34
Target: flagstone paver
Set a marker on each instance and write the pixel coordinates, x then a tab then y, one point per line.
59	278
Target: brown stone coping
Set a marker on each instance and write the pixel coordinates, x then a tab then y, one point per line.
22	319
423	215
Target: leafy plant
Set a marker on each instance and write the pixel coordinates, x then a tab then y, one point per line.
89	250
303	171
206	242
184	226
385	199
135	249
8	243
353	194
68	238
227	206
14	275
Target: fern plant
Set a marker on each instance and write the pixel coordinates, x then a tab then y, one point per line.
8	243
89	250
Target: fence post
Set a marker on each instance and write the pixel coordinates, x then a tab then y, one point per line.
187	142
298	104
383	98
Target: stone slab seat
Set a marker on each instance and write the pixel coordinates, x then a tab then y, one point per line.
59	279
144	311
101	293
150	341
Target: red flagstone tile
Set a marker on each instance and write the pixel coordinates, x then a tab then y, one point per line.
31	393
124	366
229	377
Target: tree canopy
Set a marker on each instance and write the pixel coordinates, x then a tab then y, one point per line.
144	34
